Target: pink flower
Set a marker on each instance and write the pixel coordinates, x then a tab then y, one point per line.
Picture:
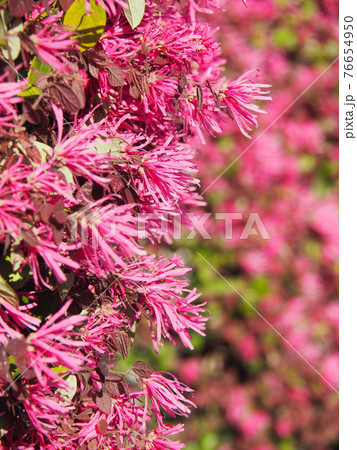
163	301
8	100
330	369
51	41
9	314
168	394
254	423
44	411
284	427
190	370
157	440
55	343
237	97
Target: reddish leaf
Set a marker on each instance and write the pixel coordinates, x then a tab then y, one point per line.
84	298
134	92
19	8
161	61
78	89
27	43
67	428
4	364
33	153
117	183
124	343
136	158
102	426
115	76
114	385
29	237
199	94
93	70
57	234
63	95
104	402
65	4
65	287
45	212
93	444
17	348
85	415
141	369
87	189
182	82
103	364
29	113
99	58
44	117
59	214
42	80
128	196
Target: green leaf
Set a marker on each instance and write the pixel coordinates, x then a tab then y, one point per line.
68	394
90	28
113	148
37	67
30	91
285	37
5	18
13	40
67	174
44	149
135	12
7	293
64	288
60	370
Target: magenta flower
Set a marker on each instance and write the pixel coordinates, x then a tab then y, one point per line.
55	343
43	411
157	440
50	42
8	100
238	95
18	319
168	394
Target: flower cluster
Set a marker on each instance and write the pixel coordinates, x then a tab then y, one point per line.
98	120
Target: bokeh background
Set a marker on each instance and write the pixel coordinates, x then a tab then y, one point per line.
252	390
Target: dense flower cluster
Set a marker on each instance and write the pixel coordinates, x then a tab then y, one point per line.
253	390
98	123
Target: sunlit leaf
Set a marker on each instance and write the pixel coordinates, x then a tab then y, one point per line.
135	12
90	27
69	393
13	46
7	293
37	67
113	148
44	149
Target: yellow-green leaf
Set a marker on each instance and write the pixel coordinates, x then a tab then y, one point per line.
7	293
90	27
37	66
112	148
68	394
12	38
135	12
